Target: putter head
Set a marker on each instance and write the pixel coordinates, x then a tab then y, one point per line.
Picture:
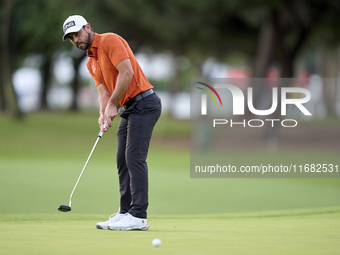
64	208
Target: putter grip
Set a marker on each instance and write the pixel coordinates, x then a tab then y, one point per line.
102	131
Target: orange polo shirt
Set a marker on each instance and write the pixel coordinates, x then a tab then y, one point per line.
106	52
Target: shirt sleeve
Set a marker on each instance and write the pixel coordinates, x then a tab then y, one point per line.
90	68
115	48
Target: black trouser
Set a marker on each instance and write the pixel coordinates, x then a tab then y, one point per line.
133	138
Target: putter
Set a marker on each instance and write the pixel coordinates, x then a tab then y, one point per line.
65	208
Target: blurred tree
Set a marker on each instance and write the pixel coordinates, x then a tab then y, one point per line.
265	31
326	40
329	70
10	97
36	24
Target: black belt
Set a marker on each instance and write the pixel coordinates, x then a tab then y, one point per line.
138	97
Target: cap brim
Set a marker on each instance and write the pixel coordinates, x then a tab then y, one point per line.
71	30
64	37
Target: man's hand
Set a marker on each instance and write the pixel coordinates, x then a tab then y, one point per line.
101	121
110	113
107	102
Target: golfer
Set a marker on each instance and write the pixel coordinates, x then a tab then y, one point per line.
121	82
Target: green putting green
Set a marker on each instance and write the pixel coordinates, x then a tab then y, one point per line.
286	232
42	157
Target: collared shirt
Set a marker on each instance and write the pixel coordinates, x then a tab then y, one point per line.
106	52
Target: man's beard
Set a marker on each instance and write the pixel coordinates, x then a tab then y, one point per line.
86	43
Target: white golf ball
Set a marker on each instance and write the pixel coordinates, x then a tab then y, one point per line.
156	242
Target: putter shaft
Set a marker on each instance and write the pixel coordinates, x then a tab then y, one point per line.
94	146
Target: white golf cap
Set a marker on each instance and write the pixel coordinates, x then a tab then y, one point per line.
73	24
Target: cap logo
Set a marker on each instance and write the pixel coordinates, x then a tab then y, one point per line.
68	25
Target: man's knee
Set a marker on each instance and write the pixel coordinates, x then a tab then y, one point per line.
120	158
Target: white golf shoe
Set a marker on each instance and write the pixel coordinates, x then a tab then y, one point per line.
129	222
112	219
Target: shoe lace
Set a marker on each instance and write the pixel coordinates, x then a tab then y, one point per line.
125	215
113	215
